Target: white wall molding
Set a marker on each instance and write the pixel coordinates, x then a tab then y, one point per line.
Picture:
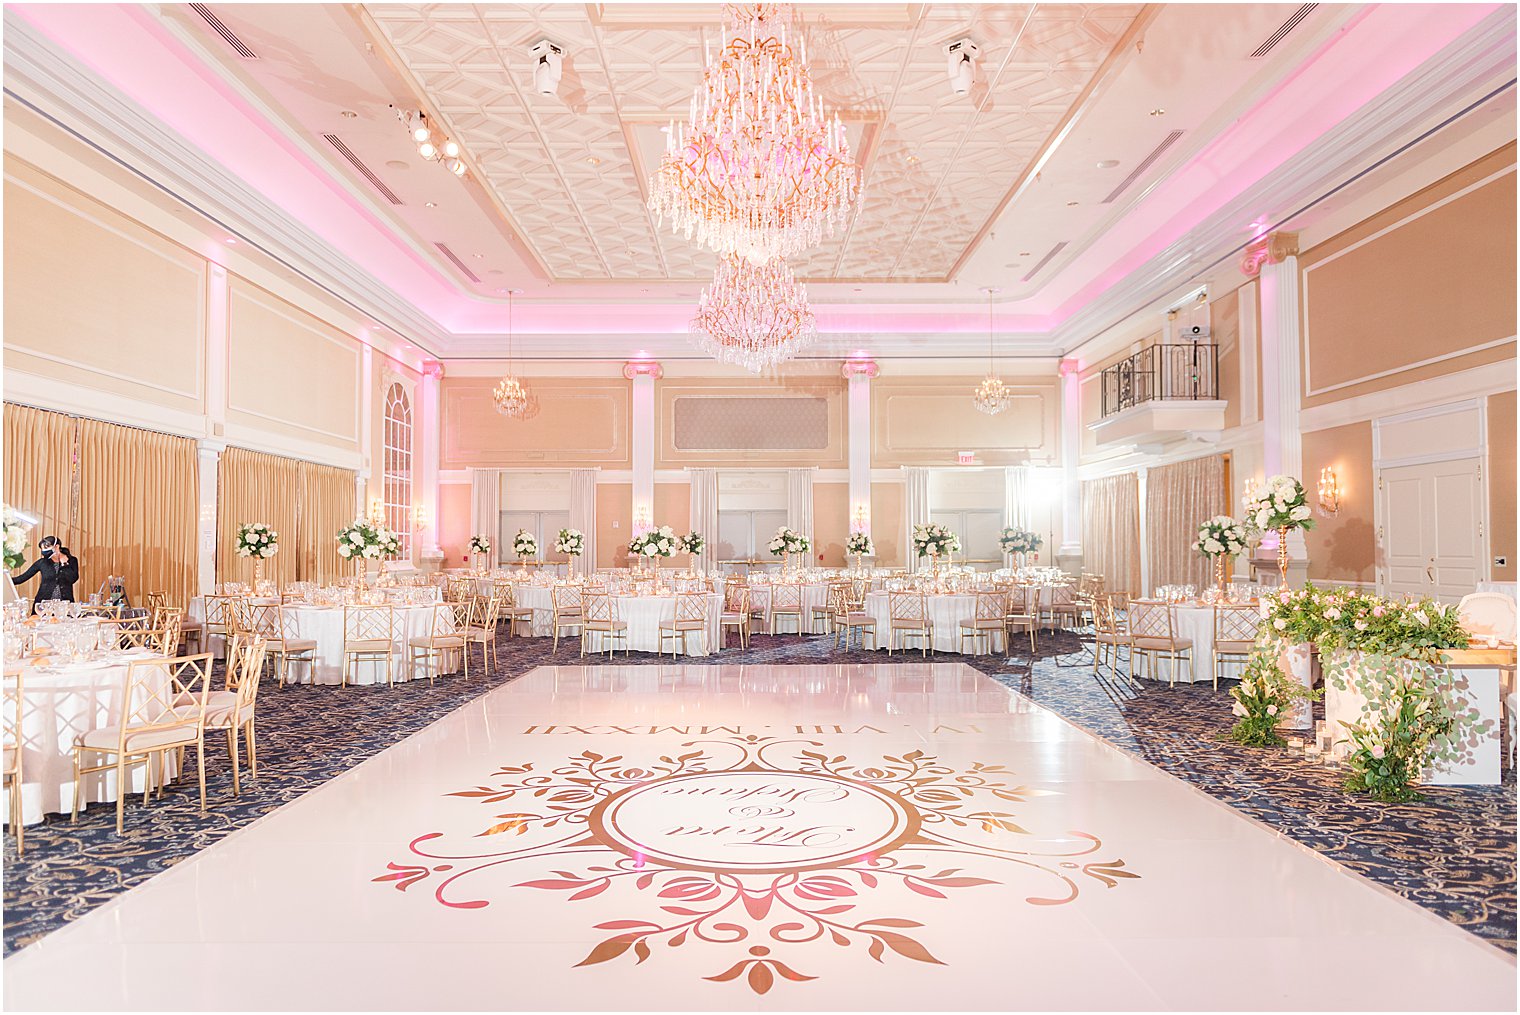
1475	382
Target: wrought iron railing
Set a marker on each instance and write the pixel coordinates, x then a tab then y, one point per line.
1184	371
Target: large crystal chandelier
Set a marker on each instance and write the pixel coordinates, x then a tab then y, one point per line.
757	169
992	395
753	315
512	398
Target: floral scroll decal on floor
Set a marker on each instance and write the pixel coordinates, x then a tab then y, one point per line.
757	847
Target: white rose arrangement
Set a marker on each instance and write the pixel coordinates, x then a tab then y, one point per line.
789	541
934	540
1221	536
367	540
524	544
571	542
1017	540
480	544
1279	503
658	542
15	538
692	543
256	539
859	545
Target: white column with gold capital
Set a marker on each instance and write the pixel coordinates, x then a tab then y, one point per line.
859	373
429	448
1069	555
643	374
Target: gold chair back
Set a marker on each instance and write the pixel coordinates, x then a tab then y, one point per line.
1149	619
369	623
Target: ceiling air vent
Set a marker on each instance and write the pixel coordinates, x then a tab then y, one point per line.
443	248
363	170
1145	164
1044	261
1294	20
227	34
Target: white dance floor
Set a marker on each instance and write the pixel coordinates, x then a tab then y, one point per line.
727	837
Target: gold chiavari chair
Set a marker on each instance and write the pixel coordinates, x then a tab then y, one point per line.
445	634
368	634
786	601
478	630
847	618
759	605
1023	615
1110	635
156	601
690	615
105	611
507	608
290	647
166	617
1152	634
1235	630
1064	611
735	613
602	618
233	708
162	642
459	588
10	733
990	619
568	613
908	615
163	710
825	613
220	617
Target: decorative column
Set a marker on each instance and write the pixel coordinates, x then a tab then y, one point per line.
643	374
428	443
1273	259
859	373
1069	555
208	457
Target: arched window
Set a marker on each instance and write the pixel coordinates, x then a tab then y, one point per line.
398	465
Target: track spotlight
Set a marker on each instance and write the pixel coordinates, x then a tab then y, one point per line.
548	65
963	54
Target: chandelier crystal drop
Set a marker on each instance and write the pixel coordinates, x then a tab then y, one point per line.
757	169
511	395
992	395
753	315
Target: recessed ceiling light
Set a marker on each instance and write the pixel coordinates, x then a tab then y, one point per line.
1108	163
398	164
482	257
643	290
1158	111
1023	253
1071	204
860	290
495	271
431	204
229	240
912	160
348	114
593	160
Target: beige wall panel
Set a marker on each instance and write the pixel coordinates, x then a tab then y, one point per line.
580	422
922	422
1342	547
1418	290
1501	483
614	513
831	523
1224	321
886	523
672	506
454	522
806	428
289	372
98	300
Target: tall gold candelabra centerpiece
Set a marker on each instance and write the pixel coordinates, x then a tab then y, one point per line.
1219	572
1282	557
1279	504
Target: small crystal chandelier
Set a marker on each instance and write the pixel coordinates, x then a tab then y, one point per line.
753	315
512	398
992	395
757	169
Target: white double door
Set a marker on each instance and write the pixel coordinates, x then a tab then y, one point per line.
1433	539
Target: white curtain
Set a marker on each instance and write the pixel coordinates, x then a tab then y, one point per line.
799	501
704	511
485	507
1016	497
915	508
583	515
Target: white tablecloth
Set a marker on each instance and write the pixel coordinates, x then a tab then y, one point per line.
643	614
812	595
946	611
57	707
1195	623
324	625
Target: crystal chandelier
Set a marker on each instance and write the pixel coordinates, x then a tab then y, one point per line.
753	315
757	169
512	398
992	395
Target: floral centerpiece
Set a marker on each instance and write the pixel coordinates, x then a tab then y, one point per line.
570	542
787	542
480	545
259	541
657	542
934	541
1263	699
1280	504
15	538
859	545
524	545
1018	542
1219	539
693	543
366	540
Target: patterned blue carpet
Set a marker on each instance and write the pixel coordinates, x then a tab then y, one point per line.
1453	852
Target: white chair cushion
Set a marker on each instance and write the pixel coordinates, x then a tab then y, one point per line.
107	737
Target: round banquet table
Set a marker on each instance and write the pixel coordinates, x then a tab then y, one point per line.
1194	621
58	705
643	614
324	625
946	611
813	594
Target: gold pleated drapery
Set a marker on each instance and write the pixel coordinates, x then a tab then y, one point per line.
39	469
327	505
1111	531
1178	499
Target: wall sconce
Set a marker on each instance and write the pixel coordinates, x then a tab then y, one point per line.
861	520
420	516
376	511
1252	484
1329	492
641	523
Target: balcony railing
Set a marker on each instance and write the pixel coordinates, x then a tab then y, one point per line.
1186	371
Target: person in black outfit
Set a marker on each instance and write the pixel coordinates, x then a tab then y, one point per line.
56	570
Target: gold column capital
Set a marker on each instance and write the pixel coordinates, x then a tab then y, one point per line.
1273	248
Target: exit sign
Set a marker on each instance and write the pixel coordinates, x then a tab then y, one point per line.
965	458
